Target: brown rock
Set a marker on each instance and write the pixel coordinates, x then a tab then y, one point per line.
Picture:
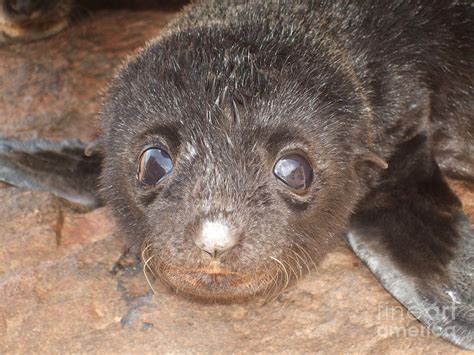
51	88
62	287
465	191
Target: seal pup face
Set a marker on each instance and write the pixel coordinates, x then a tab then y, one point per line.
26	20
229	167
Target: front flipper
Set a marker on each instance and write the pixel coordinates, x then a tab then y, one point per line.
412	234
60	167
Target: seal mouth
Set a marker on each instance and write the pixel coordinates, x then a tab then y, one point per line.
214	281
218	284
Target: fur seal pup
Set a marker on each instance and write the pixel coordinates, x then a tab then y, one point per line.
251	135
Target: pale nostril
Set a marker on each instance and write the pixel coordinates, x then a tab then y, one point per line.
23	7
215	238
211	250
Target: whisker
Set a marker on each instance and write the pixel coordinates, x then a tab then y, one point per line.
145	267
298	276
287	277
144	251
304	258
275	287
305	252
290	267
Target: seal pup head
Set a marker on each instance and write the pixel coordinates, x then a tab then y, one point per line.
232	167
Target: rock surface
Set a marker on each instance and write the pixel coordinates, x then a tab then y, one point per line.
64	286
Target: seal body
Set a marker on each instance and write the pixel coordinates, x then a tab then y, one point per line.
235	92
231	85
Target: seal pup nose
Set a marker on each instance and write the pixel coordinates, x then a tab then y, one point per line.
215	238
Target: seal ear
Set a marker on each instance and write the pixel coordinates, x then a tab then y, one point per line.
60	167
413	235
371	157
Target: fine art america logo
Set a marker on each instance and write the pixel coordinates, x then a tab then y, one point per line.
399	322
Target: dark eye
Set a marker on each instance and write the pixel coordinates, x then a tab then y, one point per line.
294	170
155	164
